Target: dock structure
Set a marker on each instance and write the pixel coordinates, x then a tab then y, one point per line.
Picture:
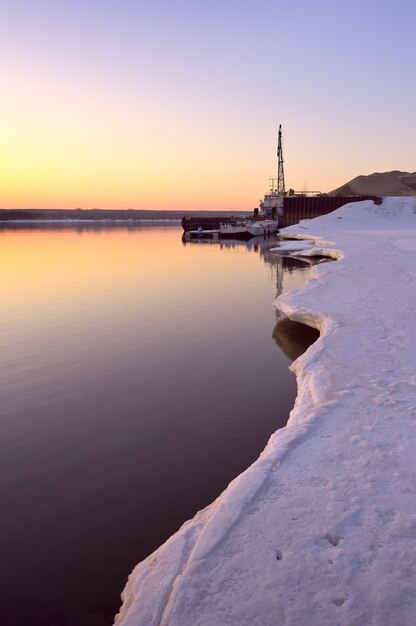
205	223
295	208
298	207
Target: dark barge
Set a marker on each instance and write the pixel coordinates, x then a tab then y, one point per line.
296	208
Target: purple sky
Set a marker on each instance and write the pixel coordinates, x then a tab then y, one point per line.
192	93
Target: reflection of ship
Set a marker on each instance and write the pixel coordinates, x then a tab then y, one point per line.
292	337
256	243
278	265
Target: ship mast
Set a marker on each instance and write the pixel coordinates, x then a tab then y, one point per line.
280	171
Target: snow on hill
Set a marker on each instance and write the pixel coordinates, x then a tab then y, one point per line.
321	529
379	184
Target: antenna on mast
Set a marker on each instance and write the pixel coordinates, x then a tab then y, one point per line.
280	170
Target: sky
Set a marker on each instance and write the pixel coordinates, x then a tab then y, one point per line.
176	104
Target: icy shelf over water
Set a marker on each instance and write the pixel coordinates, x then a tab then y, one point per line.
321	529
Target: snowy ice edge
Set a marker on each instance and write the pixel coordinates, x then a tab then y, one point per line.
174	586
311	394
150	588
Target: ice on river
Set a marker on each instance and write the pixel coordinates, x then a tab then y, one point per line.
321	529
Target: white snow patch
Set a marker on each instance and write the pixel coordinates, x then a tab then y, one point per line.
317	251
288	246
321	529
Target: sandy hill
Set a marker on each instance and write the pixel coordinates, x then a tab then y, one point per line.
379	184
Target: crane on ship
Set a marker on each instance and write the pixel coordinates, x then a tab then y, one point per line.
280	169
272	203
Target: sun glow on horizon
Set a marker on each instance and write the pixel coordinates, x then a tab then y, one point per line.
147	111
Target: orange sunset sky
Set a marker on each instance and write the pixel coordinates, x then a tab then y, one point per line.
177	105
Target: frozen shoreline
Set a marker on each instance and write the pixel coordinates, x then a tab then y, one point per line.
321	528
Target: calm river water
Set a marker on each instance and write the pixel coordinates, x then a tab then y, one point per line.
138	376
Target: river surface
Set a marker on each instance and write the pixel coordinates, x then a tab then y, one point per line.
138	376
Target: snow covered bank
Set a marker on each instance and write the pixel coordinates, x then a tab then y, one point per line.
322	528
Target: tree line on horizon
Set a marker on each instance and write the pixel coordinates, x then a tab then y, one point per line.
105	214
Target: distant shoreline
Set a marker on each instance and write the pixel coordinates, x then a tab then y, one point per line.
105	220
104	215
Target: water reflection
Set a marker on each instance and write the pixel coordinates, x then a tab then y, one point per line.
138	378
280	266
294	338
254	243
84	226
